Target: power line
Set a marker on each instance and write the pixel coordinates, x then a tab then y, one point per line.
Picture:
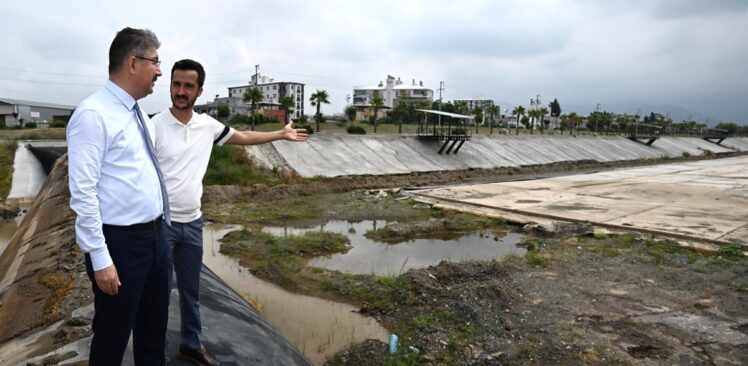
53	73
50	82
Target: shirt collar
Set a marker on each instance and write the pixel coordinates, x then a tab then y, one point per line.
175	121
121	94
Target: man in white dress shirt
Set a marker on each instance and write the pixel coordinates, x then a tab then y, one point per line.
184	141
116	192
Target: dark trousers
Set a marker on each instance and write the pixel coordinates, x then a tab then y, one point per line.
186	241
141	256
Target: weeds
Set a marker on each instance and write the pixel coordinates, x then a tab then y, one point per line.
7	154
229	165
280	259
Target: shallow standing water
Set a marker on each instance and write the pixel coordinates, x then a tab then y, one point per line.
371	257
8	229
317	327
320	328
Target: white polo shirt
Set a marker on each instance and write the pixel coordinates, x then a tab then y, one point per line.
183	151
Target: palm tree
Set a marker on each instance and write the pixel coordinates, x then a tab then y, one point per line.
376	104
492	110
253	96
318	99
542	112
400	110
350	112
287	104
563	118
461	107
519	111
533	114
478	112
573	118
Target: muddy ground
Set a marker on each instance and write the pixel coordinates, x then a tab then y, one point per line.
575	298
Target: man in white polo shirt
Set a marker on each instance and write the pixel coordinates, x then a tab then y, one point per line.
184	141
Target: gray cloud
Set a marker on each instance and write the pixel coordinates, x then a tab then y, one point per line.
681	53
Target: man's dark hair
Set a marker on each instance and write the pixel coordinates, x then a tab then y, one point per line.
188	65
129	42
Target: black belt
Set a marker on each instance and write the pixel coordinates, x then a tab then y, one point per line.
155	224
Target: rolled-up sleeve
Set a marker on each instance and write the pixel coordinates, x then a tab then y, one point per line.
86	145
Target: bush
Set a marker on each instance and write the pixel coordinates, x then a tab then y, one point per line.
356	130
262	119
30	125
223	111
57	124
239	119
309	128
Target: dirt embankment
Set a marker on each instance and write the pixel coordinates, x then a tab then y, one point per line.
619	300
42	279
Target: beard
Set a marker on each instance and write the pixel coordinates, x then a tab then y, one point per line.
190	103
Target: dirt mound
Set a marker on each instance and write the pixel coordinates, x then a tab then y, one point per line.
8	212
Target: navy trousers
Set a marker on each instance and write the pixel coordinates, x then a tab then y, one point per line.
186	241
142	258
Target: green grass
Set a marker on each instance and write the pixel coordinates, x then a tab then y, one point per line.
7	154
314	209
280	259
229	165
33	134
451	225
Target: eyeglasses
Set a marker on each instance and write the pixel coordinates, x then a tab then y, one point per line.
156	62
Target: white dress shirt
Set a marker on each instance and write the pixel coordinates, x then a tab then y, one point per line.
183	152
112	178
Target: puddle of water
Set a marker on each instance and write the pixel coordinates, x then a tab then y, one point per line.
371	257
335	326
9	228
318	328
6	233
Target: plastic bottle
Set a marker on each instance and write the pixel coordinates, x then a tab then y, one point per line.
393	343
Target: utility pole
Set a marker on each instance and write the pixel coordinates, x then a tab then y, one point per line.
441	89
597	109
254	110
537	106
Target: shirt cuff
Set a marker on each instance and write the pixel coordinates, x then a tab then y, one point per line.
100	259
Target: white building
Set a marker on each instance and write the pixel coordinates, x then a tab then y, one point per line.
476	102
272	92
392	91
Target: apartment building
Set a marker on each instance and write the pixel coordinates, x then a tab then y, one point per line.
392	91
272	92
476	102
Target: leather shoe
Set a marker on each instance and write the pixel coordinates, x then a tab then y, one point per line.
199	356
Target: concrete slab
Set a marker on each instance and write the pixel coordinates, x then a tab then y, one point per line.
704	200
331	155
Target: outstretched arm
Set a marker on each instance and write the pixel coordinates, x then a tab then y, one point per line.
255	138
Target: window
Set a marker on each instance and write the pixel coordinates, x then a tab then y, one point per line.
275	87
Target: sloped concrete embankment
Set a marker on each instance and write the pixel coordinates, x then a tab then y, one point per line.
29	172
340	155
46	302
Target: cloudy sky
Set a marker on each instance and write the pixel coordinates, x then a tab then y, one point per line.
683	57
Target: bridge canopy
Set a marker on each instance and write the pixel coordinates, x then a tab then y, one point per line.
453	115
